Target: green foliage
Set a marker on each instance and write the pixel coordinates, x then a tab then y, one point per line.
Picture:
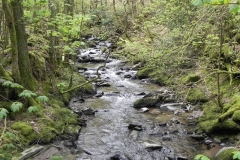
236	155
233	8
62	85
42	99
27	94
10	135
16	106
33	109
57	158
201	157
3	113
12	85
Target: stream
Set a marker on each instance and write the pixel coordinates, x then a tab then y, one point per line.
158	134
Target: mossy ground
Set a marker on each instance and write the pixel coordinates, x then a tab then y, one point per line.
50	122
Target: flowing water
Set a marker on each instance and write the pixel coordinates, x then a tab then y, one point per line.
107	135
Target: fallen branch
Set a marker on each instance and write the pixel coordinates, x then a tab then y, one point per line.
87	82
4	129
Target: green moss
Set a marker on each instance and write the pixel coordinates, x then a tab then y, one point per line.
145	102
25	130
144	73
214	126
66	98
5	155
160	78
72	130
236	116
229	112
226	154
66	116
22	127
196	96
190	78
47	134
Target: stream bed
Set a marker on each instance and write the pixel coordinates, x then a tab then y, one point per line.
157	134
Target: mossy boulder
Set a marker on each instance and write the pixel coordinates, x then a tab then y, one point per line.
196	96
236	116
225	153
72	130
214	126
25	130
48	134
146	102
190	78
144	73
160	78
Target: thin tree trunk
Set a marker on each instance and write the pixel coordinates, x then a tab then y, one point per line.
23	57
13	39
114	6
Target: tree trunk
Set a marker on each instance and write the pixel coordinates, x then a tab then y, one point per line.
114	6
69	7
13	39
25	69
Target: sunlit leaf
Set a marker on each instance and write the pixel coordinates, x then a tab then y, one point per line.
33	109
16	85
42	98
201	157
7	83
236	155
10	135
3	113
16	106
27	93
234	8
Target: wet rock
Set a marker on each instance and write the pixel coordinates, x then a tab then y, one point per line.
127	76
98	60
174	120
70	144
140	94
120	85
154	111
181	158
103	84
152	146
166	138
164	124
118	156
88	111
72	130
29	152
145	102
134	135
119	72
197	137
208	141
171	106
99	94
112	93
135	127
144	109
136	66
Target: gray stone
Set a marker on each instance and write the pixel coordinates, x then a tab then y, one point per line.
29	152
152	146
134	135
88	111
